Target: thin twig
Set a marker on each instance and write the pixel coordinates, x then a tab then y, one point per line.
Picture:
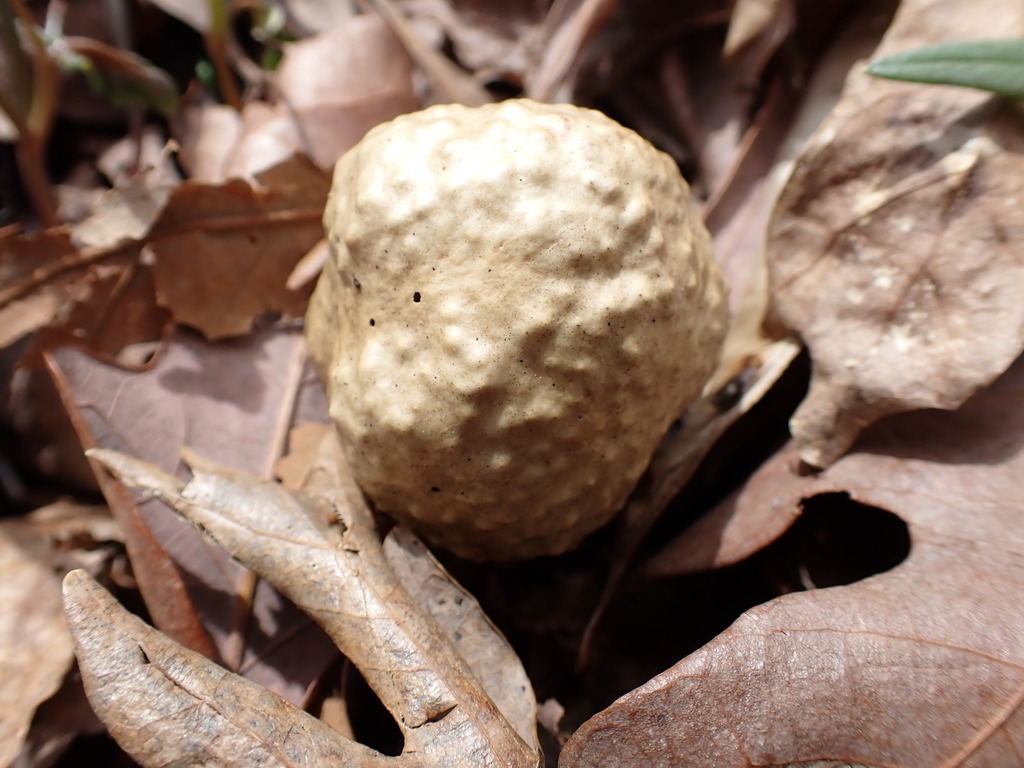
34	119
30	153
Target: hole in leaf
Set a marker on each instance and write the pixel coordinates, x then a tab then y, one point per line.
371	722
98	749
651	626
839	541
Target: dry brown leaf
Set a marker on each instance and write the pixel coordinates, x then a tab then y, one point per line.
892	250
234	401
738	219
123	214
67	534
120	319
220	256
58	723
723	99
325	555
207	132
83	282
918	667
492	660
328	91
723	536
56	538
295	468
24	309
35	649
223	253
46	282
494	39
167	705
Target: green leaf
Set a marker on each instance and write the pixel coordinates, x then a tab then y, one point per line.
991	65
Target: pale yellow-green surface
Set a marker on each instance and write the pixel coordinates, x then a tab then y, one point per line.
520	299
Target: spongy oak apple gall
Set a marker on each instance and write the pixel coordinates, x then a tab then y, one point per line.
520	300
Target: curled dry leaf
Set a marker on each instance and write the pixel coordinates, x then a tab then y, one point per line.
315	463
893	249
322	551
166	704
918	667
722	537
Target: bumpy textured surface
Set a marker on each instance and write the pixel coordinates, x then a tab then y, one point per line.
520	300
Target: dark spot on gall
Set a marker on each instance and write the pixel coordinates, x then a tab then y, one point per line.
435	489
416	297
372	322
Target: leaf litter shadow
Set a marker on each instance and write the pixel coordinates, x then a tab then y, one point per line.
653	624
835	541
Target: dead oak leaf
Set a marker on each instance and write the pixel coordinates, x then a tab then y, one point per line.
83	282
218	256
327	92
892	250
917	667
99	297
337	85
222	253
430	660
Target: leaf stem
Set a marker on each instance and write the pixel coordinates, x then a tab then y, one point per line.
214	40
30	153
33	118
44	78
